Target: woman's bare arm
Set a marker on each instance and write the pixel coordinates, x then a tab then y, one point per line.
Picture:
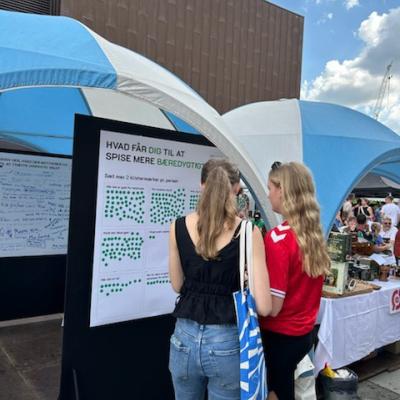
262	293
175	267
277	304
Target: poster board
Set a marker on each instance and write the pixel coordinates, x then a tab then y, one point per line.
34	204
144	183
111	360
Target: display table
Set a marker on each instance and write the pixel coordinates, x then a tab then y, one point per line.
352	327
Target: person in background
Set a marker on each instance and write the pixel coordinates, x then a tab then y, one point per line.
297	260
259	223
351	228
351	225
337	224
364	208
377	212
397	245
357	207
348	205
363	228
391	210
379	244
204	270
343	218
388	232
243	204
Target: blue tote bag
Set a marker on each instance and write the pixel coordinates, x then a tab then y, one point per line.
253	379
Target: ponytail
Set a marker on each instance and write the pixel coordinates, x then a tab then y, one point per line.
217	206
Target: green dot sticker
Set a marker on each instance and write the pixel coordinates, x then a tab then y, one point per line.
121	247
125	204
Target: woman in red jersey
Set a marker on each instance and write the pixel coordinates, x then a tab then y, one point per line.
297	260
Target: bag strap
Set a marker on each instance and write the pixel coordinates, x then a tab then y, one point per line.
242	254
249	254
246	255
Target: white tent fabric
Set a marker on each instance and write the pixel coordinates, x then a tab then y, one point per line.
338	144
124	108
372	181
142	79
269	134
390	183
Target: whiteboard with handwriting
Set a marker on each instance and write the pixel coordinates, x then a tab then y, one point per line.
34	204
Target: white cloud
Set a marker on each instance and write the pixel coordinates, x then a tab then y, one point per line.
355	83
351	3
347	3
325	18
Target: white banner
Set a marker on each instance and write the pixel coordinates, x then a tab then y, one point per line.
34	204
143	184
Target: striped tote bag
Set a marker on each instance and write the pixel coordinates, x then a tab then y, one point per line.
253	379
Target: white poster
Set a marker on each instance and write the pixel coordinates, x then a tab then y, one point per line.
34	204
143	184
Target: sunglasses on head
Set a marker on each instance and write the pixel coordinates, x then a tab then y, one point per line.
275	165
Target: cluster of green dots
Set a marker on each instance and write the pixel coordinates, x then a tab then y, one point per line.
152	236
116	247
166	206
125	204
158	281
109	288
193	200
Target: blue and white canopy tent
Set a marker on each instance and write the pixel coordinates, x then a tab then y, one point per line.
338	144
60	67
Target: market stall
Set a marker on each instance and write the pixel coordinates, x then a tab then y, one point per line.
360	307
352	327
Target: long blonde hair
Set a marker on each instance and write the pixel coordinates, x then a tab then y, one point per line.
301	209
217	206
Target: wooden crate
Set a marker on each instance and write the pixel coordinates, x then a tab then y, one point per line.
361	288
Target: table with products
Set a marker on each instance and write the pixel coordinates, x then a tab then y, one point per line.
352	327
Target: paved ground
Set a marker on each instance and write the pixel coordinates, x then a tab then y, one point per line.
385	386
379	377
30	357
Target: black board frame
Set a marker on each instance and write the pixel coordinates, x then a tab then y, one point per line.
126	360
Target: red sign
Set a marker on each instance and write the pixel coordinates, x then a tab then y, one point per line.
395	301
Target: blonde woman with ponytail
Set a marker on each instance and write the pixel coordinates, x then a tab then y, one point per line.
297	260
204	270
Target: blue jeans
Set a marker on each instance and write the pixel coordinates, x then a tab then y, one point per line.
205	357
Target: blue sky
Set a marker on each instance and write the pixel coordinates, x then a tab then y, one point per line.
347	46
326	39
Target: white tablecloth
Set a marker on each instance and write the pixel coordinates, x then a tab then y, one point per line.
352	327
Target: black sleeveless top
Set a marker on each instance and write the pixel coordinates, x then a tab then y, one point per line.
206	294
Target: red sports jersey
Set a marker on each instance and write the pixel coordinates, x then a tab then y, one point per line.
301	293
